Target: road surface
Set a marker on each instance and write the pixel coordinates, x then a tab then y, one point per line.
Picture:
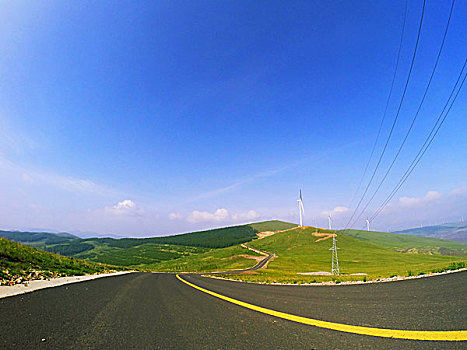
157	311
259	265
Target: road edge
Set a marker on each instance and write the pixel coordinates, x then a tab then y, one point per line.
31	286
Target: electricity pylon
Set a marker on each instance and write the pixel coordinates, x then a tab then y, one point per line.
335	261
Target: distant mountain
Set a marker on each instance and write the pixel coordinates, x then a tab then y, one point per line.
456	231
137	251
38	238
84	235
406	243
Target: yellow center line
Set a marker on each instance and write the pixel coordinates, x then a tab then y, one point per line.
376	332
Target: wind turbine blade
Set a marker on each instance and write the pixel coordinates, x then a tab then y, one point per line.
300	194
301	206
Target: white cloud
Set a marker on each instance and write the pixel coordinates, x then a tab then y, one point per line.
430	196
75	185
431	209
126	204
459	190
9	169
335	212
222	215
175	216
125	207
203	216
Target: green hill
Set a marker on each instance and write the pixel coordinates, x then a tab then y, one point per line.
298	251
144	251
274	225
224	259
376	254
20	262
215	238
407	243
143	254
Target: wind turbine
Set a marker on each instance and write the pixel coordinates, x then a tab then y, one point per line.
329	220
300	208
367	225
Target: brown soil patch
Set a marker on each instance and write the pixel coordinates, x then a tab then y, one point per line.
270	233
257	258
265	234
323	236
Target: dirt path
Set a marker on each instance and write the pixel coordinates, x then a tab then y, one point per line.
323	236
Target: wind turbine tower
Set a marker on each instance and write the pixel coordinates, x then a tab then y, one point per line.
300	208
329	220
367	225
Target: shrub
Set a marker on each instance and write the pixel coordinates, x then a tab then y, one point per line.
456	266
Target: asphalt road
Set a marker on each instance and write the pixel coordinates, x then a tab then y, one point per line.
258	266
157	311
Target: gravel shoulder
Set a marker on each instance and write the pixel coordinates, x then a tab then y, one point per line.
30	286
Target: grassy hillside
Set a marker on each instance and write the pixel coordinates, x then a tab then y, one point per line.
274	225
225	259
20	262
148	253
408	243
144	251
376	254
298	252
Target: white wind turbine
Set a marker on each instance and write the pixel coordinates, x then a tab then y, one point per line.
300	208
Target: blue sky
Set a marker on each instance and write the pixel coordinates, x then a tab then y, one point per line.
149	118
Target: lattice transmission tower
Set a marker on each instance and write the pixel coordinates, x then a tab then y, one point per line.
335	261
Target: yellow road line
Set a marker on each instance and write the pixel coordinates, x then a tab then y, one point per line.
376	332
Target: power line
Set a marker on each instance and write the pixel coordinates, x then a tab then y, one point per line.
395	118
414	118
434	131
387	105
426	144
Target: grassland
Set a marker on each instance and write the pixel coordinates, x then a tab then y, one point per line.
226	259
298	252
376	254
274	225
20	262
